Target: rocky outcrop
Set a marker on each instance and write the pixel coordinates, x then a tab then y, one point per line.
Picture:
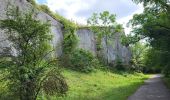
86	40
114	50
111	52
23	5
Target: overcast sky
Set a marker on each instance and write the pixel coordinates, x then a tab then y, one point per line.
80	10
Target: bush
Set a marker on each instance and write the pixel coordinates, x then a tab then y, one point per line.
166	71
119	65
32	64
70	42
83	61
55	84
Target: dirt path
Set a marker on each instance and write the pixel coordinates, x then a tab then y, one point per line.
153	89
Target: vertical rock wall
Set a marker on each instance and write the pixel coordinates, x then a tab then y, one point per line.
23	5
86	40
111	52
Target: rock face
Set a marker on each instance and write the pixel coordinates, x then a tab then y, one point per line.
86	40
25	6
56	31
114	50
111	52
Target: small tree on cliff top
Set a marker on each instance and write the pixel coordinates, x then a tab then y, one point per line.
104	26
32	69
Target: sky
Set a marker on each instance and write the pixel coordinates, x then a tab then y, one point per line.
80	10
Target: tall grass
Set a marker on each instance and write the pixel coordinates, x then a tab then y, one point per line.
99	85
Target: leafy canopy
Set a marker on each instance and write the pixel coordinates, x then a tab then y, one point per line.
153	24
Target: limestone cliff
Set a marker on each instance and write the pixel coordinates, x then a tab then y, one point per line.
86	37
86	40
23	5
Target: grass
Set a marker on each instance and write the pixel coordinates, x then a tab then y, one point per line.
100	85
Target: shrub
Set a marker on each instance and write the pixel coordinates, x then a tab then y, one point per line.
70	42
166	71
55	84
119	65
83	61
28	70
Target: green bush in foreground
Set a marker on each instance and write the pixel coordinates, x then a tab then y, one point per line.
83	61
29	70
119	65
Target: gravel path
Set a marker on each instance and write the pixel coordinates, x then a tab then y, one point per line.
153	89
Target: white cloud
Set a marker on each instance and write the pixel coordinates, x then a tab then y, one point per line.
126	19
69	7
79	10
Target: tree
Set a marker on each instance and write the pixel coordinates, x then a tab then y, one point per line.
32	67
163	3
138	51
104	26
151	60
129	39
153	24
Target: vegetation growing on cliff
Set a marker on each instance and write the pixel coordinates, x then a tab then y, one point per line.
33	74
104	26
32	2
56	16
71	40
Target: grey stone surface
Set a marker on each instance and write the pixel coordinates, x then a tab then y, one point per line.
23	5
115	50
112	51
153	89
86	40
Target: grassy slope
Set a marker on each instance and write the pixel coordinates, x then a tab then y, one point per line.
101	85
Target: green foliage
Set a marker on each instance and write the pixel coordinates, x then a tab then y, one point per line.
104	26
66	23
129	39
154	24
83	61
45	9
119	65
151	60
54	84
163	3
100	85
167	81
70	38
69	29
30	66
138	51
166	70
70	43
